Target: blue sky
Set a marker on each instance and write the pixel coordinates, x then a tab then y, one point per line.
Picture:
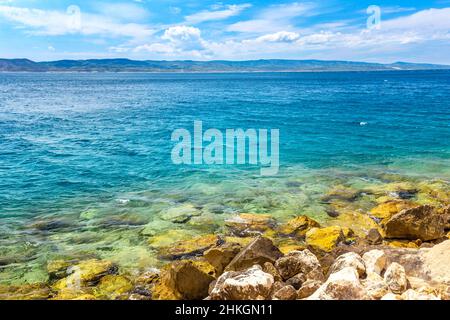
415	31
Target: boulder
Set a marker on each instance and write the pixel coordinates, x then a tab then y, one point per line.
297	281
388	209
342	285
259	251
395	278
251	284
297	262
298	226
285	293
375	261
436	262
324	239
219	257
308	288
270	269
391	296
374	237
350	259
375	286
421	222
190	279
446	216
414	295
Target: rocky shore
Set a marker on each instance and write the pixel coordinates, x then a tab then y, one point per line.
398	251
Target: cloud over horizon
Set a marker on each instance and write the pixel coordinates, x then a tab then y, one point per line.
234	31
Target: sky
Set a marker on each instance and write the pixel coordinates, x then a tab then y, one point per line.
359	30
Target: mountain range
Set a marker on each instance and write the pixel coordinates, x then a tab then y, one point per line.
275	65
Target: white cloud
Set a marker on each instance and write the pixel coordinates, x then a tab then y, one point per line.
275	18
229	11
282	36
53	23
181	33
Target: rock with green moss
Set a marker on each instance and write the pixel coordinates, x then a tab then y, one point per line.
86	273
113	287
180	214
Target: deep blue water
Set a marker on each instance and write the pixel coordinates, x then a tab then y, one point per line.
74	142
84	135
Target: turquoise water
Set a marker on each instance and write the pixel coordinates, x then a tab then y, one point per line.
85	167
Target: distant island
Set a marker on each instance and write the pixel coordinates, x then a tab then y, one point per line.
275	65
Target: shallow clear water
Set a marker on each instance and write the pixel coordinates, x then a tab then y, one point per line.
90	153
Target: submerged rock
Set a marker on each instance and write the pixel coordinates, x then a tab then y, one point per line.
169	237
416	223
86	273
57	269
180	214
39	291
341	193
189	248
325	239
250	224
259	251
113	286
251	284
298	226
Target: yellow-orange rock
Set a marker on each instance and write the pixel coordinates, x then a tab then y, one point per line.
298	226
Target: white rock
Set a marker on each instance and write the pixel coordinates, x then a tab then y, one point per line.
436	262
375	261
251	284
414	295
350	259
375	286
342	285
391	296
300	262
395	278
